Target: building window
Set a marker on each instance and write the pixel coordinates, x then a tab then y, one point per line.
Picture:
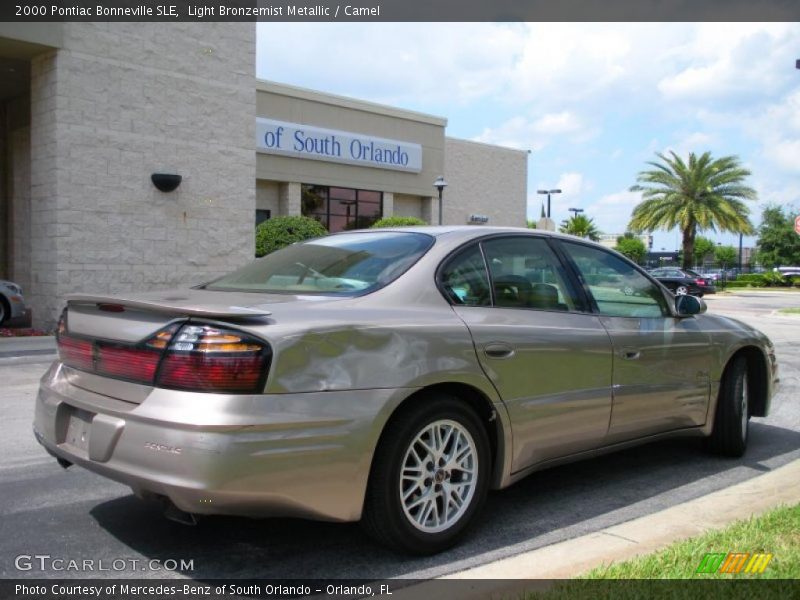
340	209
262	215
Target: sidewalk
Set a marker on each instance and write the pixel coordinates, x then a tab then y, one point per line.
27	346
649	533
621	542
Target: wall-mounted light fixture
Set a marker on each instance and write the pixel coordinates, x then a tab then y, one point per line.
166	182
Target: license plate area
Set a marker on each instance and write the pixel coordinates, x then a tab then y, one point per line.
78	427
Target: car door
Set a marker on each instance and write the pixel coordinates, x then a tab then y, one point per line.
549	359
661	362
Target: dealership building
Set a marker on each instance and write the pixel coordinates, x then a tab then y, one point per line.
89	112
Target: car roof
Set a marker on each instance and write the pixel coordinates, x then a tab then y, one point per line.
469	231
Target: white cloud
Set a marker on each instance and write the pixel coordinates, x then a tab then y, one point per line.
396	63
612	212
731	62
534	134
570	184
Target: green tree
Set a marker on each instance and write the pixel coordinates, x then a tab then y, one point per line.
397	222
726	256
703	248
531	224
632	247
278	232
778	244
580	225
700	194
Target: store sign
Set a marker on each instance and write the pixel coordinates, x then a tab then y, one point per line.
316	143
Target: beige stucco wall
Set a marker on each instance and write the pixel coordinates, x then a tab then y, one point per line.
487	180
116	103
268	196
19	261
309	107
408	206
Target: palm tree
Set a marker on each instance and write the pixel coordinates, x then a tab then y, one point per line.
704	193
580	225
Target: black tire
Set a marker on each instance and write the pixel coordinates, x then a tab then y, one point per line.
385	517
4	310
732	418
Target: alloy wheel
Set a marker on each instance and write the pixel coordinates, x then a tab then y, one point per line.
438	476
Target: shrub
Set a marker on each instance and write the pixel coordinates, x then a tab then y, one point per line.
751	278
739	283
772	278
274	234
397	222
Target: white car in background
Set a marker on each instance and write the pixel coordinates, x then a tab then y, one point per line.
12	303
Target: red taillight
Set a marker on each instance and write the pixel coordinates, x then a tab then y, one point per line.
209	359
76	353
198	358
135	364
700	281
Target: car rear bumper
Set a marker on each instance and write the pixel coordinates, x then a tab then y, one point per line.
17	305
302	455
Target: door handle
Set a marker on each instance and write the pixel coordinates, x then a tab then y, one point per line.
630	353
498	350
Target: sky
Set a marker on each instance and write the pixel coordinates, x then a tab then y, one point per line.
593	102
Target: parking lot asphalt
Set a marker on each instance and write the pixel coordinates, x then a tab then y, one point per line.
76	515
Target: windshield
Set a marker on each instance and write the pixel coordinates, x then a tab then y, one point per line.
345	264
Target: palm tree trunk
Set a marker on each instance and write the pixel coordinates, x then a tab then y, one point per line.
688	247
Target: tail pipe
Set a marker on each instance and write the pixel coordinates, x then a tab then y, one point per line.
173	513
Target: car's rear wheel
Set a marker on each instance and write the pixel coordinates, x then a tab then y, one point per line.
3	312
681	290
732	418
429	477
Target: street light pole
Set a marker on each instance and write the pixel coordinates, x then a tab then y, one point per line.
440	184
740	237
548	192
575	211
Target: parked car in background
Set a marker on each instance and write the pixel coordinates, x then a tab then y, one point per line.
12	302
684	281
392	376
716	275
792	273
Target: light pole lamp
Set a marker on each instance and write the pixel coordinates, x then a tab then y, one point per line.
575	211
548	192
440	184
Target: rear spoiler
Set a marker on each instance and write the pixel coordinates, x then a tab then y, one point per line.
172	306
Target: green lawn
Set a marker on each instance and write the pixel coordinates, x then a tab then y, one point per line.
672	572
790	311
776	532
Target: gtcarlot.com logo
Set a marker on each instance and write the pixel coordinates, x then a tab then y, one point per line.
47	562
734	562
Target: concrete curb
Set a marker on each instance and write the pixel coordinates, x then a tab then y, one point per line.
649	533
26	346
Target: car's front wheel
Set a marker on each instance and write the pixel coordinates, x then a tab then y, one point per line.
429	477
732	418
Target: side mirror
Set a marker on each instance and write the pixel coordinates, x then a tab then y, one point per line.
689	305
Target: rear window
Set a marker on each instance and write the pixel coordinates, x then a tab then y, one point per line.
345	264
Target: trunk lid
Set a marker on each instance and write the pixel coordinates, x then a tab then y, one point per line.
130	319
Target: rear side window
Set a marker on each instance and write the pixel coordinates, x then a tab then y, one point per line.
464	280
526	273
618	289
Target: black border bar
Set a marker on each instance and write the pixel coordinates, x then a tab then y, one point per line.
399	10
